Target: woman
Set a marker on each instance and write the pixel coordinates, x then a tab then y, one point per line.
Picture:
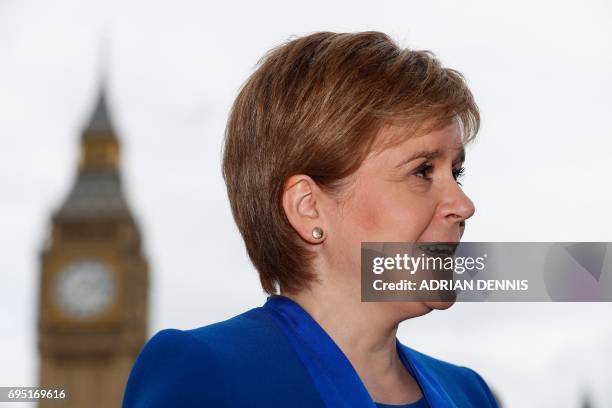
336	139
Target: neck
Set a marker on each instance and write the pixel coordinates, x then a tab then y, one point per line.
365	332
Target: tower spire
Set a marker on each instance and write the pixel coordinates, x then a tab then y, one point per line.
100	123
97	192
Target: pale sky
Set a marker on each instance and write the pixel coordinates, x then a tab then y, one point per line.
539	170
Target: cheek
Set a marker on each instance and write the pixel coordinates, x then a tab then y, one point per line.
364	216
389	216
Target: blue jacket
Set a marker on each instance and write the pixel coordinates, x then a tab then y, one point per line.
276	356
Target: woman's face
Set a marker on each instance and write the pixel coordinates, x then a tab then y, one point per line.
407	193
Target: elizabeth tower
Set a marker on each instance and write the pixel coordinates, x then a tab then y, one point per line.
92	314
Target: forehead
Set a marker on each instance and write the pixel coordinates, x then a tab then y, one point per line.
446	141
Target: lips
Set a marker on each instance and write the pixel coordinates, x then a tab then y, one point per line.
442	249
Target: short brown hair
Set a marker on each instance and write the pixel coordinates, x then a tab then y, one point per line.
314	106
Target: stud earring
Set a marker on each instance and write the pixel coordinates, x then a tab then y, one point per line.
317	233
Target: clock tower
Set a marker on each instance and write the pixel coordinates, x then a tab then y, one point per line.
92	315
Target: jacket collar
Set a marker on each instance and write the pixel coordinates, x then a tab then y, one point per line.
332	373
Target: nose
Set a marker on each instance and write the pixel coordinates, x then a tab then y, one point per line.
455	207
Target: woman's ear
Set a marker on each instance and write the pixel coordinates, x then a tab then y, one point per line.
301	207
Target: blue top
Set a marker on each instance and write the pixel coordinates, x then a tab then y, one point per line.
278	356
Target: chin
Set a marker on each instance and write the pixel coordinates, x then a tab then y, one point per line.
439	305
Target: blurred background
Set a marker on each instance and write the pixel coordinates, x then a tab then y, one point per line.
147	164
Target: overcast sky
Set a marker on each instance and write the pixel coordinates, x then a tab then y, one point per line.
539	170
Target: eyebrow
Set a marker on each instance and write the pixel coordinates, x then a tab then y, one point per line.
433	154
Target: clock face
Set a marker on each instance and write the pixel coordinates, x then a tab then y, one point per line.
85	288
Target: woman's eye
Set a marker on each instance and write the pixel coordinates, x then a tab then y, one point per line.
424	171
458	173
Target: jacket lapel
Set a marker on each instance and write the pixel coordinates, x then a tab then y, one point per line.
433	391
333	375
